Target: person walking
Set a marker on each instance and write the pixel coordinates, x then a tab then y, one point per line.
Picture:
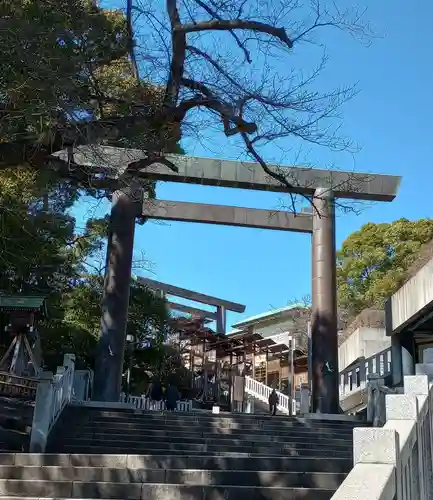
273	402
155	393
171	397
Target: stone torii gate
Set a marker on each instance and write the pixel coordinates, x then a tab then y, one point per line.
222	306
322	186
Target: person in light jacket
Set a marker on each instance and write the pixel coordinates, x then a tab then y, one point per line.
273	402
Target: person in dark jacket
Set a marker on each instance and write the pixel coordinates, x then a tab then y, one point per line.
171	397
273	402
156	391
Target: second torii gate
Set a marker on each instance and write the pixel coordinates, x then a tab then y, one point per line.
221	305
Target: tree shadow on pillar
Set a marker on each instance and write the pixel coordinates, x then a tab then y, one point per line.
324	345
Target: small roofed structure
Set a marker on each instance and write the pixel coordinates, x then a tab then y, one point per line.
23	357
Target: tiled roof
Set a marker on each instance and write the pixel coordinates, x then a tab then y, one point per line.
267	315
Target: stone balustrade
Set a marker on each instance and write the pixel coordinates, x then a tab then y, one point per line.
143	403
54	392
355	376
395	462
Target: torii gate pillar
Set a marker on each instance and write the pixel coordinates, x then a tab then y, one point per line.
126	205
324	343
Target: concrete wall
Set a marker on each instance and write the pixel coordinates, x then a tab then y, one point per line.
364	342
415	295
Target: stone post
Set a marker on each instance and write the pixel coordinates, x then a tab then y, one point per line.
304	401
324	345
362	373
396	357
418	387
376	406
42	413
126	205
374	446
408	365
426	367
69	364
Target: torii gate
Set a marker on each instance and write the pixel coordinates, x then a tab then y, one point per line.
323	186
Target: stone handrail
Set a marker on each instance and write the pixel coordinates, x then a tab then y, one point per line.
54	392
262	393
395	462
143	403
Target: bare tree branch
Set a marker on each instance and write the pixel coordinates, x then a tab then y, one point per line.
236	24
232	64
131	44
239	43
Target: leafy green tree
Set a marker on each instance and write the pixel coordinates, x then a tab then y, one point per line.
75	321
42	252
37	232
372	262
67	79
162	361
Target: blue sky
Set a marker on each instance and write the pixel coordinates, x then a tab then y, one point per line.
390	119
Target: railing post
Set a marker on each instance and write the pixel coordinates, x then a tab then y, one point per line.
69	364
362	374
418	386
42	413
376	407
405	410
305	401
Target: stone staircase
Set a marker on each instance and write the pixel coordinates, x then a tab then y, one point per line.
125	454
16	415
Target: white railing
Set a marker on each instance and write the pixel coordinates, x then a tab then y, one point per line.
262	392
395	462
143	403
54	392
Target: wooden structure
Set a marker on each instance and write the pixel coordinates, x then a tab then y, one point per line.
23	354
262	359
21	363
216	361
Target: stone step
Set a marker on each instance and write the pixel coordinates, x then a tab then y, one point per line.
107	448
22	411
228	419
342	419
167	462
12	488
12	437
173	443
14	421
201	477
171	426
120	435
16	403
155	430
